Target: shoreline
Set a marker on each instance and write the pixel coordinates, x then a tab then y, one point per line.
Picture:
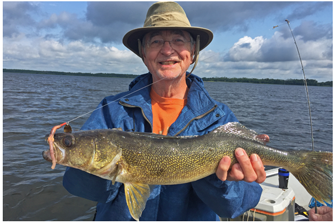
310	82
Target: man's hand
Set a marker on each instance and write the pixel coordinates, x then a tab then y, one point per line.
246	169
324	214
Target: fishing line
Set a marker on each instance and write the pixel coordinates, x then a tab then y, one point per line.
195	61
204	60
114	101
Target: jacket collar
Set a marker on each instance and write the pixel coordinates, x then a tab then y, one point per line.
146	79
199	103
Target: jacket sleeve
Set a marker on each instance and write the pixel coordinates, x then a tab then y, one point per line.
227	199
86	185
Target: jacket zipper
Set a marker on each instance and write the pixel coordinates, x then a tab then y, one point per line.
198	117
132	106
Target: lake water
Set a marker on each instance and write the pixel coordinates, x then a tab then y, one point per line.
34	103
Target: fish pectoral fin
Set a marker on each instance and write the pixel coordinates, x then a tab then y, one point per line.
111	170
137	195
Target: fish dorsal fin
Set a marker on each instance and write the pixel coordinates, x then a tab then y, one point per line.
137	195
238	129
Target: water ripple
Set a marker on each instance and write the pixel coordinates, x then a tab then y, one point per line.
32	191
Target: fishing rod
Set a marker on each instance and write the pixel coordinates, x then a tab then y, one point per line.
306	89
305	81
67	124
307	94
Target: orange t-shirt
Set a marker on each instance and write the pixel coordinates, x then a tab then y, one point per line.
164	112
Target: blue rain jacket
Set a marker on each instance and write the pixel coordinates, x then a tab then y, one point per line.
205	199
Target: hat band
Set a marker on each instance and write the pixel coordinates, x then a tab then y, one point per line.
171	19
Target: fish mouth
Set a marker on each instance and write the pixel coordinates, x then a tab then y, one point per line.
59	156
46	155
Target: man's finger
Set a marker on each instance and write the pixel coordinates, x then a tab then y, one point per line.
258	166
245	163
222	170
236	173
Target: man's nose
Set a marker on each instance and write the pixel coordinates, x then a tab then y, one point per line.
167	48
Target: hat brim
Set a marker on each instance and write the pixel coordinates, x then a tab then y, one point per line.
130	39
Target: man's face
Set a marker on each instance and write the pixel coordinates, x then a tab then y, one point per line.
164	59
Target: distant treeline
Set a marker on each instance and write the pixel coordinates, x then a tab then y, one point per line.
71	73
310	82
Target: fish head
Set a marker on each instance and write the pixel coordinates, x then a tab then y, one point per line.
71	149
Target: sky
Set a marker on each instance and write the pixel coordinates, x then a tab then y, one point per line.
87	37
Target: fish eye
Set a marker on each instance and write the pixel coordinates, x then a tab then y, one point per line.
68	141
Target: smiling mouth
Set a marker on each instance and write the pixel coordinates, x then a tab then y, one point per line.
168	63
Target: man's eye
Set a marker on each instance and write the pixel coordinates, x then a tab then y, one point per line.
156	41
179	40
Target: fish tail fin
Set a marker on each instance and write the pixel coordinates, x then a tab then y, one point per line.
316	175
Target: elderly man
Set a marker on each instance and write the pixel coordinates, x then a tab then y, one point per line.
170	101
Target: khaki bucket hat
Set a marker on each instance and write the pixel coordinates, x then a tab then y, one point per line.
166	15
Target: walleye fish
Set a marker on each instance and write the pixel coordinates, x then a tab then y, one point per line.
142	159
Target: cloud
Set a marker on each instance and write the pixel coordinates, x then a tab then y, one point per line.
224	16
101	23
62	20
108	13
246	49
275	57
308	8
16	15
311	31
312	46
107	22
75	56
319	70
